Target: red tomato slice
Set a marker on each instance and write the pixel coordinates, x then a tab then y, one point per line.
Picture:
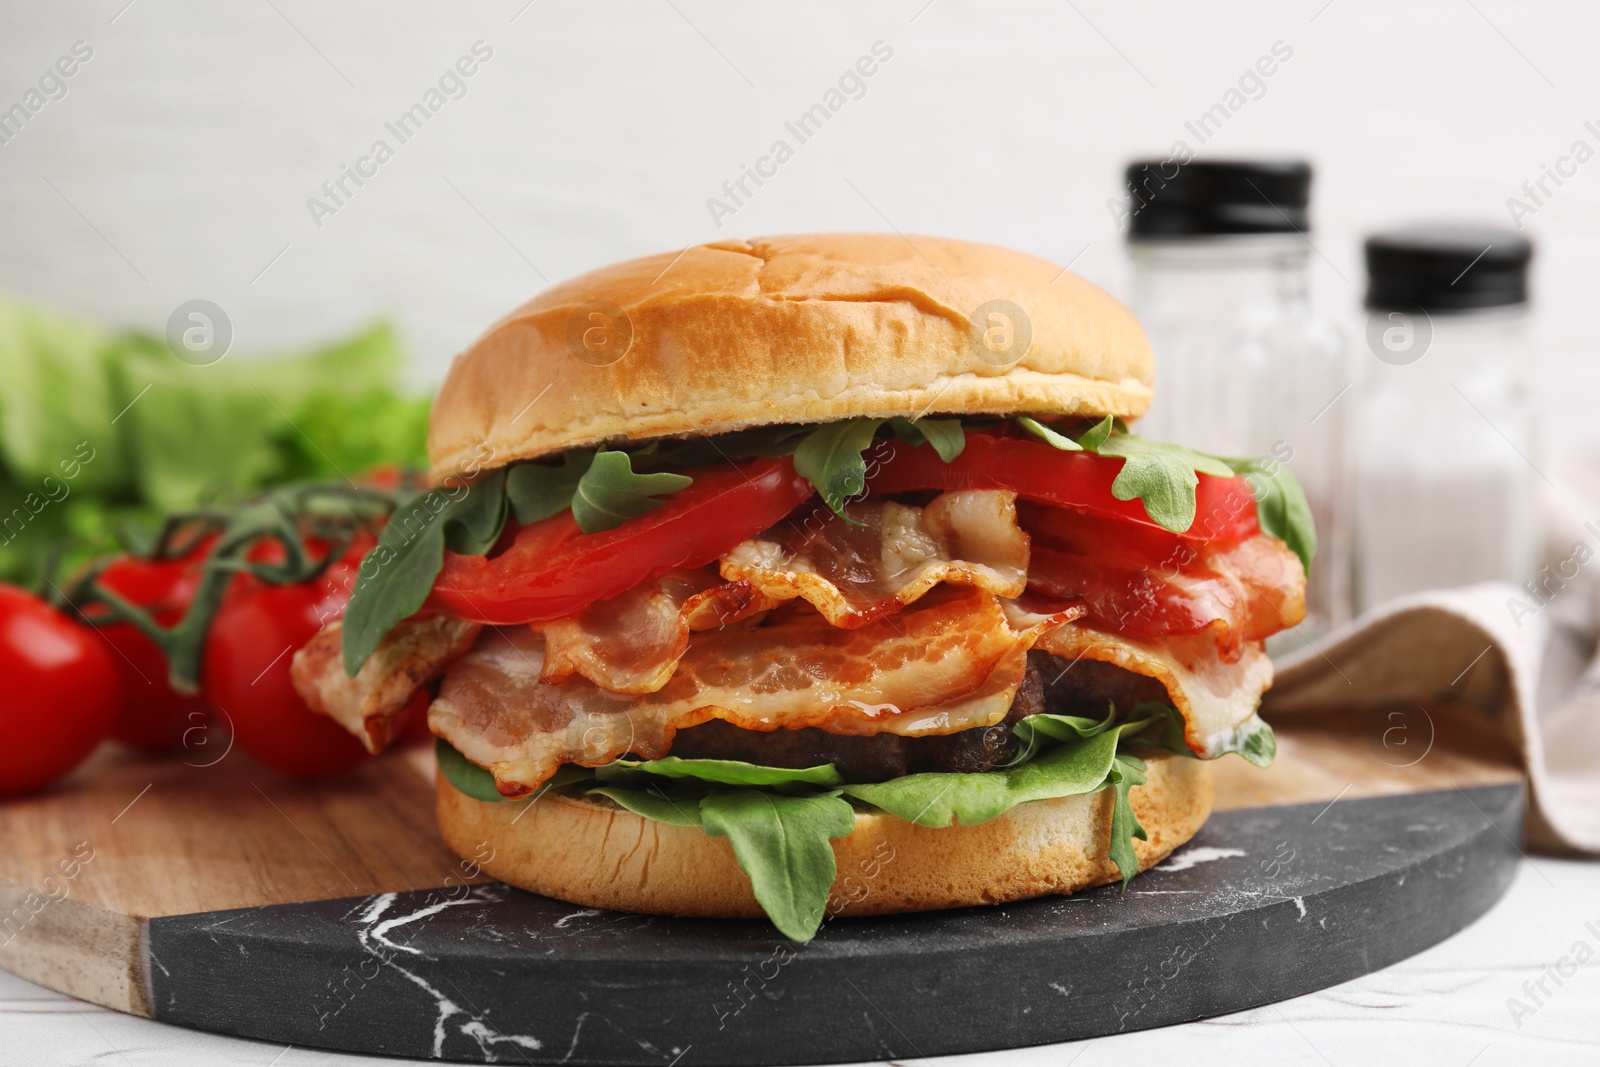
552	569
1225	509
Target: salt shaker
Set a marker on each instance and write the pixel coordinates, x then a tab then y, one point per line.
1244	365
1445	442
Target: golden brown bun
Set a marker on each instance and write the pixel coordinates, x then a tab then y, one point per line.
785	330
595	854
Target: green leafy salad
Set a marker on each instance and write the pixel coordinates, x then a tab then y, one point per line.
101	428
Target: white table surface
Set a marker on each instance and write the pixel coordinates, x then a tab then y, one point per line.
1448	1005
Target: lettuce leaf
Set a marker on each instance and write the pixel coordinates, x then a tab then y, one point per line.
124	432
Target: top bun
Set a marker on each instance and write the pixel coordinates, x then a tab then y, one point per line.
810	328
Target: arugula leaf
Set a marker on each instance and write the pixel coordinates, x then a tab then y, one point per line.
830	459
945	435
395	577
475	521
1097	434
938	799
1065	728
537	490
466	776
1281	507
1162	475
779	440
1126	772
781	842
609	492
720	772
1254	740
656	802
478	783
1049	436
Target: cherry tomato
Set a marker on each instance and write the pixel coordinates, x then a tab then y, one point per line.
245	675
60	692
552	569
152	716
1225	509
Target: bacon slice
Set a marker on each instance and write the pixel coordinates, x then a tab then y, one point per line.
855	574
413	654
1215	697
852	574
950	662
632	643
1242	592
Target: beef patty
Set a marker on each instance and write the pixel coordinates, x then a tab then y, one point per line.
1052	684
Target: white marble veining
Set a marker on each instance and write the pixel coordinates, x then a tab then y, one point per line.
1452	1005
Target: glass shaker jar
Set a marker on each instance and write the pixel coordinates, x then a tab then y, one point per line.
1445	438
1244	365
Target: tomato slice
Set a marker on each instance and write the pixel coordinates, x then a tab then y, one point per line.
1224	511
552	569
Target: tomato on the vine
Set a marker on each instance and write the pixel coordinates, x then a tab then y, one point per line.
152	716
252	640
60	692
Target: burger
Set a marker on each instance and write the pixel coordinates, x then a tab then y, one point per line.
816	576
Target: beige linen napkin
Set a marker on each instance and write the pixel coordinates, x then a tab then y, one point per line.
1528	666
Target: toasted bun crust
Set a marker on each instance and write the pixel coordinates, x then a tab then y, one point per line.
592	853
787	329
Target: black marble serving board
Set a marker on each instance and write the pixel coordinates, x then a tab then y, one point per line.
1264	904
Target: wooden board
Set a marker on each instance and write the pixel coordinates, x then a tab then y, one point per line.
128	887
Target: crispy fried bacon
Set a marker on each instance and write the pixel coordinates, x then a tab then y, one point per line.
1242	592
854	574
1216	698
950	662
369	705
910	620
632	643
851	574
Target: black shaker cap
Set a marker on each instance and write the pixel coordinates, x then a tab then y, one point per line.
1171	200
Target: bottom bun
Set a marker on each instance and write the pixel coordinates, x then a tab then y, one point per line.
593	853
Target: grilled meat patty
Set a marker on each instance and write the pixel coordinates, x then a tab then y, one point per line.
1052	684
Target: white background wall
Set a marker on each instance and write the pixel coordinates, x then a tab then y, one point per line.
180	161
